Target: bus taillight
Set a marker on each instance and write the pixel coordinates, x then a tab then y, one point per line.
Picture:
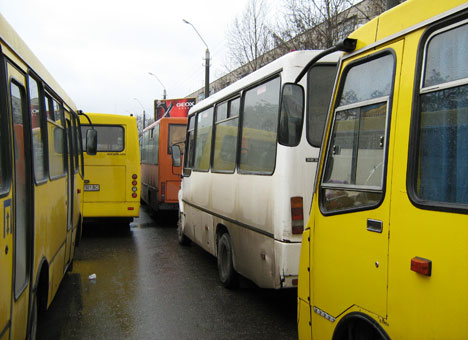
134	188
297	215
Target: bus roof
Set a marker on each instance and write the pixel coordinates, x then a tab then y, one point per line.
18	47
108	118
296	59
402	19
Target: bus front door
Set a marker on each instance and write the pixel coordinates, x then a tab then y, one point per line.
21	206
351	224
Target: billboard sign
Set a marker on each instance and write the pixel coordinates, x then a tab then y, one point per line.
172	107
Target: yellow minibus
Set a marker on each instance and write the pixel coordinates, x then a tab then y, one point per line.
112	176
384	254
41	182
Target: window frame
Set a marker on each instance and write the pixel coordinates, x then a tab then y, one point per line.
43	126
5	127
228	102
326	149
207	108
110	125
52	99
188	157
262	81
281	111
306	104
437	28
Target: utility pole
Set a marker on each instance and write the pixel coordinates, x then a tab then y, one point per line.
207	61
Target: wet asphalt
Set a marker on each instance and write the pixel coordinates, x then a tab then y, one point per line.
147	286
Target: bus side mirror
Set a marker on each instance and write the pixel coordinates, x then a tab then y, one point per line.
91	142
176	156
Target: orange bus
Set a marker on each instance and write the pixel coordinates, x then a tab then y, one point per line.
160	181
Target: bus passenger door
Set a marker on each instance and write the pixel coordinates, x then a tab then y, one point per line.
6	218
351	229
70	190
21	204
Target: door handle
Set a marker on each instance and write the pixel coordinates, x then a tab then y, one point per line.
375	226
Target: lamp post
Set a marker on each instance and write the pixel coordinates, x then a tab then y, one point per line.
207	62
144	118
164	88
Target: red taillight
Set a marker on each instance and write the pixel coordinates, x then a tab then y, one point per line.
131	208
134	176
297	215
134	195
78	191
134	183
421	266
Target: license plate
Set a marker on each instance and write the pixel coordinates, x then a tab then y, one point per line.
91	187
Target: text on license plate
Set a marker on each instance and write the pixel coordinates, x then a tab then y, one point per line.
91	187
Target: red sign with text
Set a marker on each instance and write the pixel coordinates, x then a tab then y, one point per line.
172	107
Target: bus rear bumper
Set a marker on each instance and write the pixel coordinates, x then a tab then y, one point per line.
111	209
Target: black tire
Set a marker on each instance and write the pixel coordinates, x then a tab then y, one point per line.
183	240
226	272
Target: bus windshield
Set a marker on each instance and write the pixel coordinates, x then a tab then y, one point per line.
110	138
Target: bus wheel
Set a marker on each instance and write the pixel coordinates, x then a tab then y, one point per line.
227	274
33	327
183	240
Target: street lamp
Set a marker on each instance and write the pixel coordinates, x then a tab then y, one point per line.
164	91
207	62
144	118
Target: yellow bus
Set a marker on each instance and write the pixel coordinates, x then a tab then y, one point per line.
41	181
112	183
384	255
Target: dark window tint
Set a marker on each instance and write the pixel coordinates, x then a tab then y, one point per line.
292	114
320	82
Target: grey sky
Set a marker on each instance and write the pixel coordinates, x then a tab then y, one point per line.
100	51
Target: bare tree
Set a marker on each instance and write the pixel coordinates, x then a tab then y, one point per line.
139	119
319	24
314	24
249	37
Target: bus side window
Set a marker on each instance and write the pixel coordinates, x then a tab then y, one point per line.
203	140
38	133
356	151
225	141
188	159
259	128
320	80
442	145
56	134
291	115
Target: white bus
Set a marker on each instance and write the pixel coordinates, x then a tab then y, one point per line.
251	156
